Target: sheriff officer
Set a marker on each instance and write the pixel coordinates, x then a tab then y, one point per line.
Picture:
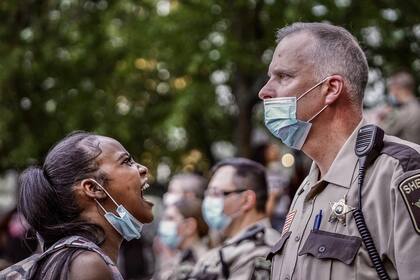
313	102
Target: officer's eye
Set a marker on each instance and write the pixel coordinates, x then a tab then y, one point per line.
283	76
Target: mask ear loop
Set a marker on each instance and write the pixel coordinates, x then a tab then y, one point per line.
306	92
107	193
309	90
316	115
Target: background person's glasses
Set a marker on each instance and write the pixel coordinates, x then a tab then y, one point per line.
213	192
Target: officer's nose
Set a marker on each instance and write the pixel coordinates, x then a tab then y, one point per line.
266	92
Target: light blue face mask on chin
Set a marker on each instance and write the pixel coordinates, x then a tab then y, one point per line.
280	119
125	224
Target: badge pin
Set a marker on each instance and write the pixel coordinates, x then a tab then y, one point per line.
339	210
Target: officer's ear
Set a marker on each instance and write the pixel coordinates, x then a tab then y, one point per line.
91	189
332	88
250	200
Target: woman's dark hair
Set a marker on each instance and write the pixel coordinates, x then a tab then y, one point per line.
46	197
191	208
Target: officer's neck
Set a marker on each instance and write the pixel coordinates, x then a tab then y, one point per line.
242	222
328	135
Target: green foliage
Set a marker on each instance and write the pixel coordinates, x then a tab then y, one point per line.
145	75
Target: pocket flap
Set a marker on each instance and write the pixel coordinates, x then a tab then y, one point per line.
328	245
278	246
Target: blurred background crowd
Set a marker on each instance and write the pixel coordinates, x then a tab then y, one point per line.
176	82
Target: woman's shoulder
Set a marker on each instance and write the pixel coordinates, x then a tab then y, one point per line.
89	265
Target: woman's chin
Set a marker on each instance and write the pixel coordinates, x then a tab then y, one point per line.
148	218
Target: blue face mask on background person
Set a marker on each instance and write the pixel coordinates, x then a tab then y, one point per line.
213	213
393	101
168	233
280	119
125	224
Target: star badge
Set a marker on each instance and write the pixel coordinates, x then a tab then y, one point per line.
339	210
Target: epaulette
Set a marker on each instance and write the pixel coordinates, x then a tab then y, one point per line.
255	232
408	157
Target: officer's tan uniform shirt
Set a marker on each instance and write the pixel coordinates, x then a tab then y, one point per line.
242	259
335	251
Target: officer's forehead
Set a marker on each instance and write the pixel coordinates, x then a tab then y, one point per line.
223	178
294	49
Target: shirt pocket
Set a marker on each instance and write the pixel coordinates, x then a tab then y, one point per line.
328	245
327	255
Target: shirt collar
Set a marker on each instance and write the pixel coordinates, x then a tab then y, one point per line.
345	161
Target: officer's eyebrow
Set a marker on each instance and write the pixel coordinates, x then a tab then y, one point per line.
283	71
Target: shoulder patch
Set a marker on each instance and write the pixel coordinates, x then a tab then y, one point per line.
408	157
410	191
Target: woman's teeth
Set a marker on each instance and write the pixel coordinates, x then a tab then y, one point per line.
145	186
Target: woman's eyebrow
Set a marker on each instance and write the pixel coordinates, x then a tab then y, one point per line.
123	155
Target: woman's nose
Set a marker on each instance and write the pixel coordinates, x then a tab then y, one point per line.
142	169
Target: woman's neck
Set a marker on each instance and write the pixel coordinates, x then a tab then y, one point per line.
113	239
189	242
112	244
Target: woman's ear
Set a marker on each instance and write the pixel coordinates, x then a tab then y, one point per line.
91	189
334	87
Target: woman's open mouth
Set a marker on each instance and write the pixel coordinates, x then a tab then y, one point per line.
142	189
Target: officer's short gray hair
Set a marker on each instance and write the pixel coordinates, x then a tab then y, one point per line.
335	51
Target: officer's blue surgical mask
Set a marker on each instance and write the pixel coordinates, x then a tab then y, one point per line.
168	233
280	119
213	213
125	224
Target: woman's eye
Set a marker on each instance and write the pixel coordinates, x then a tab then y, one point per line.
128	161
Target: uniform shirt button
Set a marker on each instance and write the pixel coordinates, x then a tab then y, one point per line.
287	277
321	249
297	238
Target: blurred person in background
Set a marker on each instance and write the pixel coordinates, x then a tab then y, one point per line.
269	155
82	202
278	199
184	185
403	118
234	205
183	229
13	246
